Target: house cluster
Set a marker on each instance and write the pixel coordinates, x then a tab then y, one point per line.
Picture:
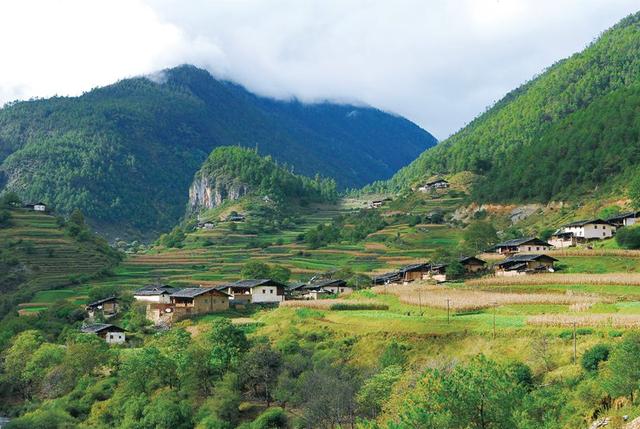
583	231
428	271
318	289
522	257
434	185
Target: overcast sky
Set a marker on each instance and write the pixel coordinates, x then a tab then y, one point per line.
437	62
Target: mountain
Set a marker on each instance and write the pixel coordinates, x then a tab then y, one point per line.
230	173
572	130
125	154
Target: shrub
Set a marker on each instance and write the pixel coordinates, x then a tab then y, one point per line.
591	358
629	237
273	418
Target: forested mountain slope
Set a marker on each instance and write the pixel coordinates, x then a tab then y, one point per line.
570	130
125	154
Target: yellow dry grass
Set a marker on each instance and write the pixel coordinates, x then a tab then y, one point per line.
325	304
597	320
468	300
577	251
622	279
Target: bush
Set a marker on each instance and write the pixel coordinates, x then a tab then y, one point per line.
273	418
629	237
591	358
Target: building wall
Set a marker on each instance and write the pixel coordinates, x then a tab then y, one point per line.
115	337
592	231
562	244
39	208
527	248
473	268
153	298
265	294
338	290
630	221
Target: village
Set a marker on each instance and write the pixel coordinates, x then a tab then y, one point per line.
166	304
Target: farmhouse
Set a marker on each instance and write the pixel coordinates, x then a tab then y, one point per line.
155	293
561	240
255	291
434	184
206	225
624	219
106	307
317	289
594	229
413	272
525	264
198	300
472	264
387	278
110	333
520	245
38	207
378	203
236	217
438	272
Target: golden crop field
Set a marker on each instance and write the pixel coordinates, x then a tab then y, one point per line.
595	320
467	300
622	279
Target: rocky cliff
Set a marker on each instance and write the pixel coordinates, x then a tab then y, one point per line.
208	192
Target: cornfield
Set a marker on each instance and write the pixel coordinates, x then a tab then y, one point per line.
572	251
622	279
469	300
607	320
335	304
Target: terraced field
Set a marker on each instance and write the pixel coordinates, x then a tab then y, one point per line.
50	259
217	255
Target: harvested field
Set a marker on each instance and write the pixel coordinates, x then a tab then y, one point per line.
622	279
605	319
336	304
468	300
594	252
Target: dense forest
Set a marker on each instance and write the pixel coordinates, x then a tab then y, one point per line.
264	177
570	130
125	154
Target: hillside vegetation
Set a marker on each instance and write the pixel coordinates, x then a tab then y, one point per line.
125	154
570	130
41	252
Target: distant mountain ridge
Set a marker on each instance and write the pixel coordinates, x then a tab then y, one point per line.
570	132
126	153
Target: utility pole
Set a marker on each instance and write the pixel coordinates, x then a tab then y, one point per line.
495	304
448	300
575	343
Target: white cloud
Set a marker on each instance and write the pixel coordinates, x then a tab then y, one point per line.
437	62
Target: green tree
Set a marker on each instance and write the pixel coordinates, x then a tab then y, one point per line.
255	270
591	358
280	273
629	237
633	191
228	344
260	370
480	235
10	199
623	376
376	390
394	354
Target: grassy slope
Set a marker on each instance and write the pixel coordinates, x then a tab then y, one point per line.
580	110
52	260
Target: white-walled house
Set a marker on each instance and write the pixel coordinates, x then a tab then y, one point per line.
110	333
256	291
593	229
624	219
522	245
155	293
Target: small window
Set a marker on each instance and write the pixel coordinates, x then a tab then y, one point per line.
529	248
537	248
595	226
603	234
271	291
264	291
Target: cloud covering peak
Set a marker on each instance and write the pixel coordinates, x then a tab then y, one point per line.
439	63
